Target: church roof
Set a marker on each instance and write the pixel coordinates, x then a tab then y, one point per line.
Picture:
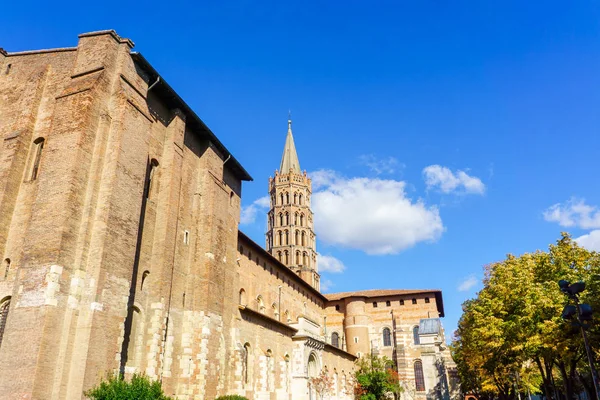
389	292
289	160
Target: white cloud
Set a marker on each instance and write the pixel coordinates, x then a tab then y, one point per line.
372	215
590	241
467	283
574	213
380	166
248	213
326	284
330	264
437	176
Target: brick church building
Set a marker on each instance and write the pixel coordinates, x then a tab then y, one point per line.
119	214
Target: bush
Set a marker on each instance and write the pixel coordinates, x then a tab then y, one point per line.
231	397
140	387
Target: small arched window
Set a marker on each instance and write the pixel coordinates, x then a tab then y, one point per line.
36	156
153	167
144	276
335	339
287	218
4	307
295	198
245	362
280	219
298	258
303	238
419	378
280	233
416	339
300	199
6	267
287	257
297	240
302	219
287	237
242	299
260	304
287	198
281	198
387	337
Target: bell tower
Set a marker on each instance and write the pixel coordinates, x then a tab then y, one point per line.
291	236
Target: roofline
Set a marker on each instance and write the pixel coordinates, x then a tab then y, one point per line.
192	117
439	300
282	267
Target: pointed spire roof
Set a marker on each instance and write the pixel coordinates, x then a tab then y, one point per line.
289	160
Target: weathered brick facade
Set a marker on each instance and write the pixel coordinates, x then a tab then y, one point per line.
119	213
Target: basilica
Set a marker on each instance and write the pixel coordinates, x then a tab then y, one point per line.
121	250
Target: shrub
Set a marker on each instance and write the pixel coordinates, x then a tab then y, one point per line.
231	397
140	387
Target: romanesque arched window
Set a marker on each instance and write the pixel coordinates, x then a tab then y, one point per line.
303	238
298	258
246	366
296	237
35	158
302	219
387	337
151	184
304	259
4	307
312	366
287	237
280	233
419	378
295	198
281	198
296	219
260	304
242	297
279	256
287	258
416	339
280	219
144	277
287	198
7	267
300	199
335	339
287	218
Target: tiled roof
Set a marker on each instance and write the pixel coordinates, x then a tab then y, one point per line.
378	293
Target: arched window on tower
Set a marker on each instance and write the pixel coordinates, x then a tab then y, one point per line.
279	256
302	219
335	339
287	218
246	364
280	219
298	260
260	304
287	237
243	300
387	337
280	233
300	199
303	238
297	239
416	339
4	307
287	257
287	198
304	259
281	198
419	378
295	198
151	176
296	219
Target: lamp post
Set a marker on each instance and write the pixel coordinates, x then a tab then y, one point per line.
579	314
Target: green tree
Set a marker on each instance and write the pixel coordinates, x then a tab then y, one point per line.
511	338
375	378
138	388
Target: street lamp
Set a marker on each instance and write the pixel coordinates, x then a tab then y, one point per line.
579	315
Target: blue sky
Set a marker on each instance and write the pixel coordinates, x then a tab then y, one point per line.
390	102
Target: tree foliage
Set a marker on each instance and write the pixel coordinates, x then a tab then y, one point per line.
117	388
511	337
375	378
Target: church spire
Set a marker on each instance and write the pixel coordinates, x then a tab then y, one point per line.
289	160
